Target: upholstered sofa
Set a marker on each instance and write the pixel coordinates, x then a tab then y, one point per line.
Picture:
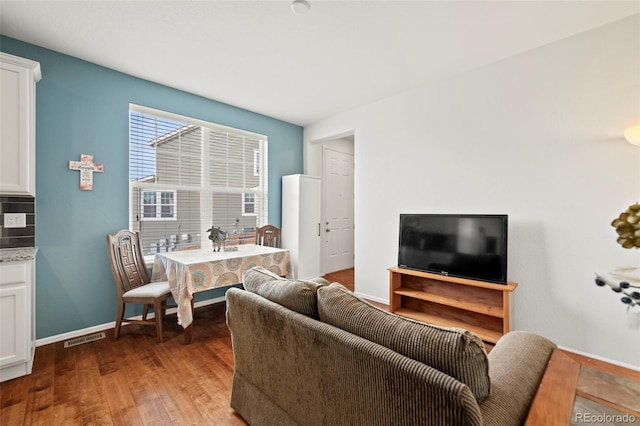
309	353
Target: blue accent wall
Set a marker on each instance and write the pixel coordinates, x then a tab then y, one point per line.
83	108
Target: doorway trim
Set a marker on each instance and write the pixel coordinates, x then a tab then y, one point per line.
345	142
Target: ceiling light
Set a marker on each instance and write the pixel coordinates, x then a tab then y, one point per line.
300	6
632	134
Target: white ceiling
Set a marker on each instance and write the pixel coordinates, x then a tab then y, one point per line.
260	56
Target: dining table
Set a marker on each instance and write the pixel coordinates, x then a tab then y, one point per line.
192	271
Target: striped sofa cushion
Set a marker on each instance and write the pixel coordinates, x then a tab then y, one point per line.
456	352
299	296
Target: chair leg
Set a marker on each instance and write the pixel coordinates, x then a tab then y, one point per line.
157	309
119	316
145	311
163	306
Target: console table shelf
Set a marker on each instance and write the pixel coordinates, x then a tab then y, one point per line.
484	334
480	307
457	302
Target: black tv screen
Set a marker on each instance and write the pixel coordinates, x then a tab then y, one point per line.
459	245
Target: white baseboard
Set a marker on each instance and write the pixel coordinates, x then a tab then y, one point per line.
112	324
375	299
603	359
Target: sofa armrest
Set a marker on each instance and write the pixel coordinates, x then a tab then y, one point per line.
516	366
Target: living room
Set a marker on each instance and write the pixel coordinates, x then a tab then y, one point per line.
536	135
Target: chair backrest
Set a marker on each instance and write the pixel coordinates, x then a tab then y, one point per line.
127	262
268	235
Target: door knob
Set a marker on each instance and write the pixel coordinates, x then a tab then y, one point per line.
327	230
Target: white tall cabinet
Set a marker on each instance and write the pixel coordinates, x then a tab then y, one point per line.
301	223
18	78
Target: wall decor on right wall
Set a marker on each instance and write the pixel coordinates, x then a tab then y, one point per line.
628	229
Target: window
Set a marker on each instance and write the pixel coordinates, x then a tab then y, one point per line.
186	175
158	205
249	205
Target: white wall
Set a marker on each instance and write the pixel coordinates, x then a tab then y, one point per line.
537	136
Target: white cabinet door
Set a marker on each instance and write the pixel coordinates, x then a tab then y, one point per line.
15	313
310	228
17	124
301	223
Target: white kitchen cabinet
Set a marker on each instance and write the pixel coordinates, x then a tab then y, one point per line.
17	323
18	78
301	223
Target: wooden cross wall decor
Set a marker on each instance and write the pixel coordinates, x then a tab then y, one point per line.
86	167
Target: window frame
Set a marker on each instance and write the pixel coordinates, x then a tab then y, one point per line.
256	166
158	205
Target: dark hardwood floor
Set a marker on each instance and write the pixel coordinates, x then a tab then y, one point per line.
130	381
137	381
347	278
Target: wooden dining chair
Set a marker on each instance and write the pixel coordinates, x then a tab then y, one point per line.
268	235
133	283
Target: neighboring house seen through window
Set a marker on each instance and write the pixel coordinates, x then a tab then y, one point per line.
187	175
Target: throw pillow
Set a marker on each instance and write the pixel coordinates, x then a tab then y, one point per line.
456	352
297	295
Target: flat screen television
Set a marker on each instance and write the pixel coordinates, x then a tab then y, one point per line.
470	246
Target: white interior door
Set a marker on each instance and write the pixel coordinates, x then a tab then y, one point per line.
338	215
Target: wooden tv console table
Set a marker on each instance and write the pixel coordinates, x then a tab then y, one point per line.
480	307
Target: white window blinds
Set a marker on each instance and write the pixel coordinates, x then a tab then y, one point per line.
186	175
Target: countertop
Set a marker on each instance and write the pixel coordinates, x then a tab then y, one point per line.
18	254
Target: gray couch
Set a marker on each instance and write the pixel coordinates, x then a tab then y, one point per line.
307	353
